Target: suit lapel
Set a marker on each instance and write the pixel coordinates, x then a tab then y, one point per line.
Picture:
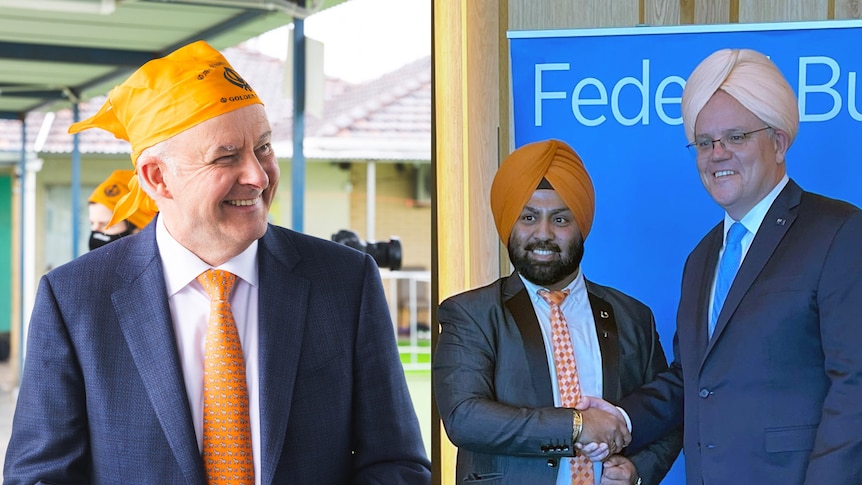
518	302
703	285
149	335
609	345
283	303
775	225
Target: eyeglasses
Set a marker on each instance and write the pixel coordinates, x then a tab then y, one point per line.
730	141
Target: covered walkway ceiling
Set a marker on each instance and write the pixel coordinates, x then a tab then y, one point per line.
55	52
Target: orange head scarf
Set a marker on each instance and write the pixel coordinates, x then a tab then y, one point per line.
520	174
167	96
114	188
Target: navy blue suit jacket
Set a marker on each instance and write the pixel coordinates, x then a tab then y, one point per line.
102	398
493	385
775	396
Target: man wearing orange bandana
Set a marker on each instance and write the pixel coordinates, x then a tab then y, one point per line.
113	383
496	379
102	202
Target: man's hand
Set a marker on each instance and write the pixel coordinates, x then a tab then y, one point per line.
605	431
588	402
603	427
594	451
618	470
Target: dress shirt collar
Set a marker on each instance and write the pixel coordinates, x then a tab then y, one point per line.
181	266
577	288
755	216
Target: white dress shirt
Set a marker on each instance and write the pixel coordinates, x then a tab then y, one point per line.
190	305
585	343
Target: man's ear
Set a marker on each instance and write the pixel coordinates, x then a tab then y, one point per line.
151	173
782	144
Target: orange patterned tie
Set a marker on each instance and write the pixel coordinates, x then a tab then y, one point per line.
567	376
227	432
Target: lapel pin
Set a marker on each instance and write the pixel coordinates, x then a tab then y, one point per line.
780	221
603	314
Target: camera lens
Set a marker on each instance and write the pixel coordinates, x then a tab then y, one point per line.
386	254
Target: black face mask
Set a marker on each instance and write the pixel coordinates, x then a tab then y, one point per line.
99	239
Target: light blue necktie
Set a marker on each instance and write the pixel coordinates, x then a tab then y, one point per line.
727	269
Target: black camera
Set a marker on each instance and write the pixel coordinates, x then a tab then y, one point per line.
385	254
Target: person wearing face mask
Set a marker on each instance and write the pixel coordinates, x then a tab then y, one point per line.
103	200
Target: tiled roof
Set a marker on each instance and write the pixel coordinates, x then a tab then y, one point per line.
384	119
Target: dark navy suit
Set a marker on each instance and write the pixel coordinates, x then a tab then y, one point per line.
776	395
493	384
102	398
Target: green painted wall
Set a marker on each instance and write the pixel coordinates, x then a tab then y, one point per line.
5	253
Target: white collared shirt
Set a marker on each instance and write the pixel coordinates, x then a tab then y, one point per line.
190	305
585	343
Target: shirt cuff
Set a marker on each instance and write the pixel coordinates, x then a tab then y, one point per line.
627	418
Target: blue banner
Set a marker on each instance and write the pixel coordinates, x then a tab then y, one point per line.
614	95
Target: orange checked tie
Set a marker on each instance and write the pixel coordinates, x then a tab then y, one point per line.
567	376
227	432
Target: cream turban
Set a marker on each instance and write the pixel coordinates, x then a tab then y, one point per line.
520	174
752	79
163	98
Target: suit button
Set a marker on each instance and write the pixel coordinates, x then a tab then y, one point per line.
552	463
704	393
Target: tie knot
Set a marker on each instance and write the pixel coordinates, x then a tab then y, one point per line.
553	297
735	234
217	283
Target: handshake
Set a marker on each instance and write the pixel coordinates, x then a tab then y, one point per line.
603	431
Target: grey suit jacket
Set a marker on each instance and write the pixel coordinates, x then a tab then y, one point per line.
493	386
102	398
776	395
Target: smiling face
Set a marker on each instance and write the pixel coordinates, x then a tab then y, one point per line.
739	177
546	245
215	182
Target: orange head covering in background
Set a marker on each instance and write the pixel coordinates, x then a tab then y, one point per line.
165	97
520	174
114	188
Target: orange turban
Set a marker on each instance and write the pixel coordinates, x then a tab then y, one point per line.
165	97
752	79
109	192
520	174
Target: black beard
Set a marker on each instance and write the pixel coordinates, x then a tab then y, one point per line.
546	273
